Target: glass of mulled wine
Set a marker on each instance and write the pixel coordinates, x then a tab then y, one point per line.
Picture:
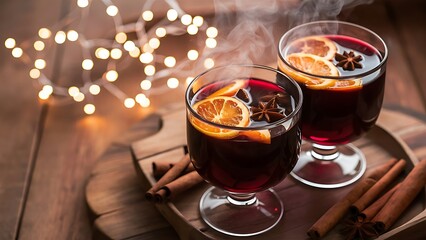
243	138
341	69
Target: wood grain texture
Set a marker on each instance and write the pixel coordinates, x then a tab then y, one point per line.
22	116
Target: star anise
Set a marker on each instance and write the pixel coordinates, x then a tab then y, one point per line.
267	111
279	98
348	61
357	228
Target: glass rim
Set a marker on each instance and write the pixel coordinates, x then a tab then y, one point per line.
359	75
294	111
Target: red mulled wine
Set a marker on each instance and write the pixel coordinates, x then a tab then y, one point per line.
338	109
257	155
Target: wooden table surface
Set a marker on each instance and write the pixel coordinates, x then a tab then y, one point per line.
48	152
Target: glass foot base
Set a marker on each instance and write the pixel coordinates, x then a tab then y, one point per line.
341	166
241	218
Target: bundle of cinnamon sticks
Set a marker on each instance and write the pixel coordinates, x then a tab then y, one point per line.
374	204
173	179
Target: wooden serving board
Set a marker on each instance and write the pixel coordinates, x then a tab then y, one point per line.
303	204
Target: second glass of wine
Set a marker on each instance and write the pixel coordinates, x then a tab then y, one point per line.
243	138
341	69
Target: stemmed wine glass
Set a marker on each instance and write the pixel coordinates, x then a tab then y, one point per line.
243	138
341	68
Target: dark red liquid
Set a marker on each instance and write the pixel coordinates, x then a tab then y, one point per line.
242	165
331	117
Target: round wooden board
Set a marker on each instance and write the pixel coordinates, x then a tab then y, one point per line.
115	194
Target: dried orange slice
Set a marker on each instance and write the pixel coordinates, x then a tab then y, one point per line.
313	64
262	136
316	45
230	89
222	110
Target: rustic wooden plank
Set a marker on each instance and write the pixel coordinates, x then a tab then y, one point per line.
400	79
409	21
21	115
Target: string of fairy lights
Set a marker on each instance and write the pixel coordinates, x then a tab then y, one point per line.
142	48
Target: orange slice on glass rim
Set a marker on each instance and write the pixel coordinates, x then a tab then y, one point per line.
347	84
316	45
222	110
230	89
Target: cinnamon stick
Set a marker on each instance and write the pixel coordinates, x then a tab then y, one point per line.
371	211
337	211
171	175
378	188
181	184
327	221
379	172
160	168
401	199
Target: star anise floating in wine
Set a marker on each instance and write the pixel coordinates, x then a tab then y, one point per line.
268	111
348	61
357	228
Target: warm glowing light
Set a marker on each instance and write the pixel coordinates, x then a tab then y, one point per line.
60	37
146	84
208	63
135	52
40	64
192	29
189	80
82	3
79	97
149	70
192	54
72	35
211	42
147	15
186	19
73	91
116	53
111	75
44	33
87	64
154	43
170	61
172	14
146	57
140	97
129	46
147	48
35	73
17	52
48	89
102	53
43	95
121	37
172	82
211	32
94	89
10	43
129	102
145	102
39	45
89	108
198	21
112	10
160	32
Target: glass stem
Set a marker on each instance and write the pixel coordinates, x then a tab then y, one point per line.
242	199
324	153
